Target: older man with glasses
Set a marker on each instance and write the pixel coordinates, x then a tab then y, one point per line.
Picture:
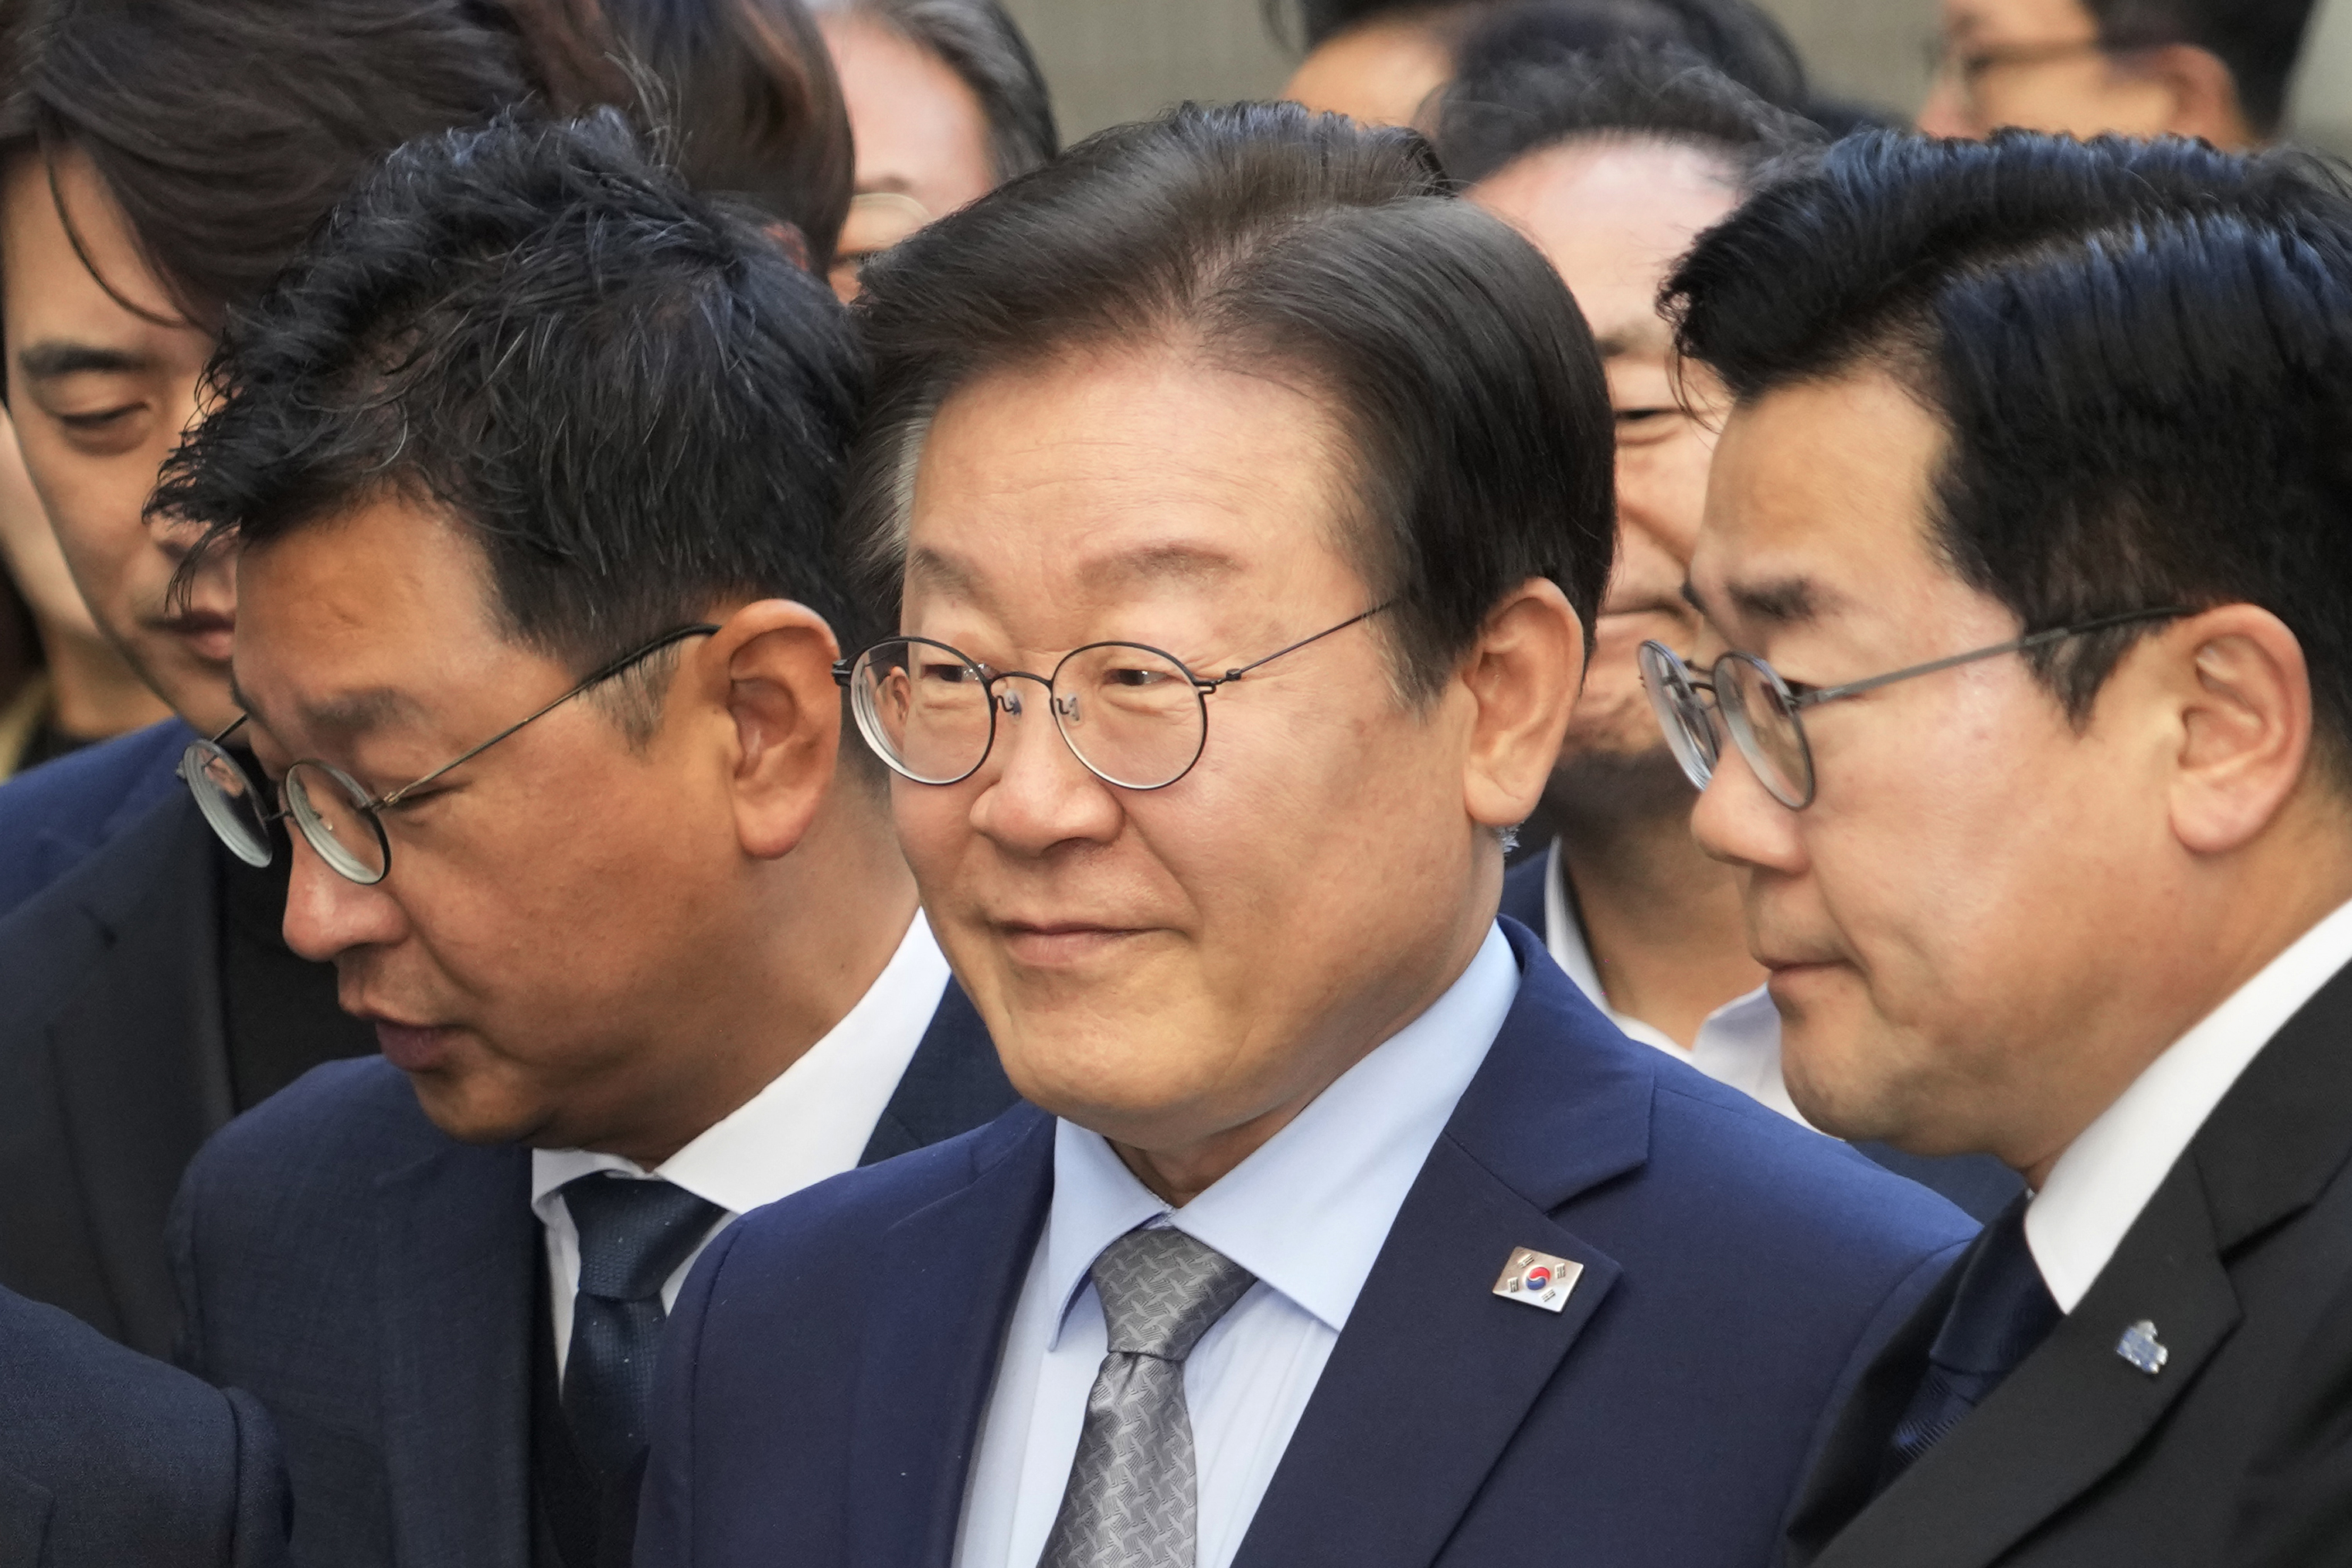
1246	497
553	720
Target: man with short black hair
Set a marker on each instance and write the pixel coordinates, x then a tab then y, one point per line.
1246	499
2031	533
528	463
2219	70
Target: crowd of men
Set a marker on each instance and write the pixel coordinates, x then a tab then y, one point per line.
1547	804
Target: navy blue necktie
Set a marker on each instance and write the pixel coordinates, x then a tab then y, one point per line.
2000	1312
633	1237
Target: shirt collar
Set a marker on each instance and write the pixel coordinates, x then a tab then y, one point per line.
1564	938
2096	1190
814	1119
1309	1210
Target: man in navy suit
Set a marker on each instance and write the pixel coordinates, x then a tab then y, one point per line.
1249	500
529	465
110	1458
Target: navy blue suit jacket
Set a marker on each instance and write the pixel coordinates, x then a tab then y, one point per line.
374	1283
109	1459
53	816
827	1365
1979	1184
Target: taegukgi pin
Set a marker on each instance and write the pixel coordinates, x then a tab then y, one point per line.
1538	1279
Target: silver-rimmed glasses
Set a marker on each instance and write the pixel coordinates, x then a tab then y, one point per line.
1761	710
1136	716
336	815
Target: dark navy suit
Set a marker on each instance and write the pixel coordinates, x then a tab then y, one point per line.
828	1363
1979	1184
376	1285
53	816
109	1459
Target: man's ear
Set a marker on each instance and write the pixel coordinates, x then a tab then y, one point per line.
1524	675
2236	679
2203	93
774	660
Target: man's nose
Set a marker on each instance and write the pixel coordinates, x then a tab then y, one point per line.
328	914
1737	822
1035	793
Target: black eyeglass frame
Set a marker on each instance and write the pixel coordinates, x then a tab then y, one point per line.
199	753
1795	696
844	671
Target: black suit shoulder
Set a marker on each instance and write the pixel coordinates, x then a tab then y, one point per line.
109	1458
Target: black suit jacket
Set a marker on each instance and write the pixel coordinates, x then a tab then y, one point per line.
109	1459
1978	1184
2243	1262
374	1283
113	1070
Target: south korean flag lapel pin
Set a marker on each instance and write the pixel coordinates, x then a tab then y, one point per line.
1538	1279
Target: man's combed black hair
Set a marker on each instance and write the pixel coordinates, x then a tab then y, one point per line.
1440	341
2142	352
1531	101
635	400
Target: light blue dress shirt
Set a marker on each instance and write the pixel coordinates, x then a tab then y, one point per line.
1307	1214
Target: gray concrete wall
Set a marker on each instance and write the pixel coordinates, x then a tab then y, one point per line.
1118	60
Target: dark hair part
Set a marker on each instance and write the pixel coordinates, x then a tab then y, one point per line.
1440	343
979	41
1495	116
2259	40
740	93
632	398
2142	353
226	129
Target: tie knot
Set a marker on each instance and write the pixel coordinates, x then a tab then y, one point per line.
1161	1290
632	1234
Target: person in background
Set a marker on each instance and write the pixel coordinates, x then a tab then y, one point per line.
946	103
109	1458
2217	70
1383	62
556	713
147	992
1613	164
82	691
2030	534
1245	496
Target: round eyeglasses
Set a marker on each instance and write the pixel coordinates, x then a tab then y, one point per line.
335	814
1136	716
1761	709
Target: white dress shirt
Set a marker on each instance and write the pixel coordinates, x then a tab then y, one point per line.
1306	1214
2097	1188
1740	1043
810	1122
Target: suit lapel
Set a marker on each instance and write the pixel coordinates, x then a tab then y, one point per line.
1429	1348
455	1272
953	1083
924	1370
140	1064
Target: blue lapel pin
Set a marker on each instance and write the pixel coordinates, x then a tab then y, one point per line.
2142	1349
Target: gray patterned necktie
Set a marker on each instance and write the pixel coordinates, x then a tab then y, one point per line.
1132	1495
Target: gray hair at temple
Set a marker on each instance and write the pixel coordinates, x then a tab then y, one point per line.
979	41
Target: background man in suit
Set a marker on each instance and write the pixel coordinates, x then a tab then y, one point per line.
1612	164
150	995
1277	535
109	1458
2078	900
529	462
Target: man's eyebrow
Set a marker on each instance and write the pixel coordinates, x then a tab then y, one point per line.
1775	602
1176	561
927	568
50	359
344	714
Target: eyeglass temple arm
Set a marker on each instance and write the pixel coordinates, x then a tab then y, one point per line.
2039	639
703	629
1211	686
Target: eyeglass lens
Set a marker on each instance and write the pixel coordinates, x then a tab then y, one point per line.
229	802
332	811
1131	713
1763	720
1681	712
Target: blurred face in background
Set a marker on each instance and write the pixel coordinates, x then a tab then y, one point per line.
2039	64
1380	72
1613	216
101	378
921	135
29	552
